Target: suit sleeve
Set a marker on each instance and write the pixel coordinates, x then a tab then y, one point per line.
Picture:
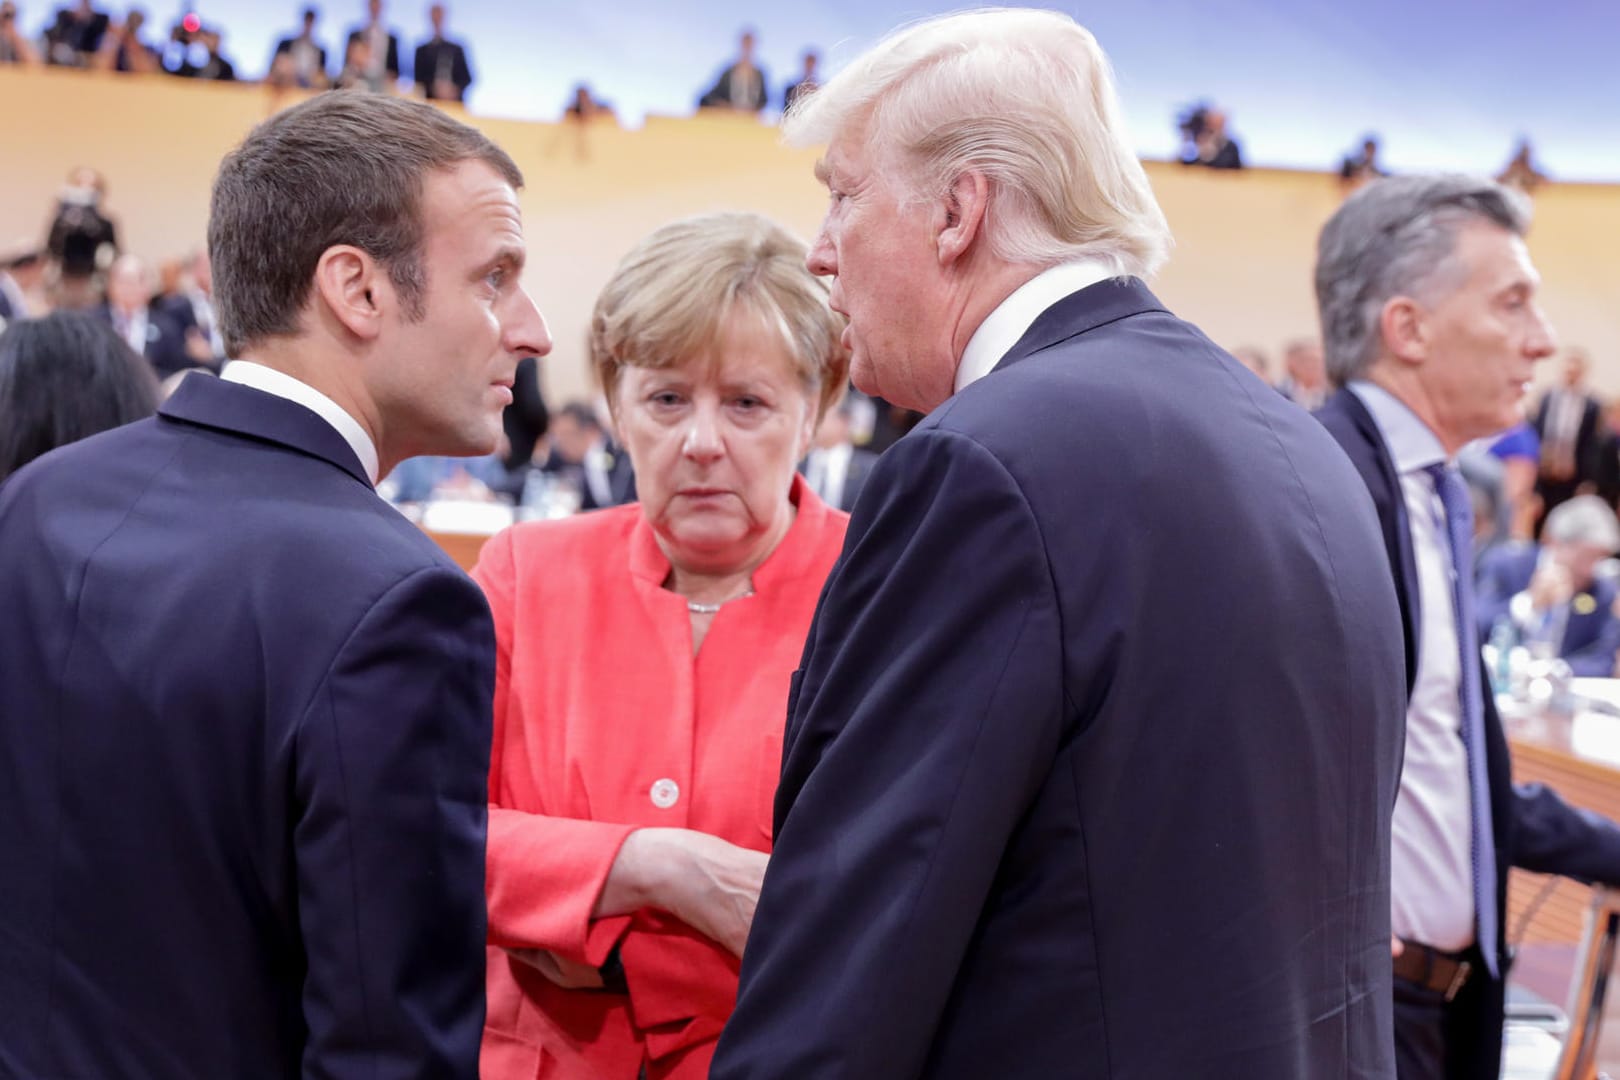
543	872
1551	837
929	710
390	780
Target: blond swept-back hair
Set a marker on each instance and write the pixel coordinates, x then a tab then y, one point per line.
670	298
1024	97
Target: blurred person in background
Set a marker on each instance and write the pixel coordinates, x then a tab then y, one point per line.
211	65
380	61
1362	165
1520	171
64	378
1567	420
148	329
442	71
527	419
15	48
644	659
123	48
1552	593
742	86
305	57
75	37
358	71
190	302
809	79
1429	312
584	455
835	468
83	239
22	270
1305	380
583	106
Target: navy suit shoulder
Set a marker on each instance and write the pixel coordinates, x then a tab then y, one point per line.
259	677
1051	646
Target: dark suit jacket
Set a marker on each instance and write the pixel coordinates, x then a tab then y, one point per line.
1089	767
428	55
738	91
246	734
391	62
1534	828
165	340
1587	441
1591	629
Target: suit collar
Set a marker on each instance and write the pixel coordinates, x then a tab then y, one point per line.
242	410
1083	311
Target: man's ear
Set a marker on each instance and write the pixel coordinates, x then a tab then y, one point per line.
353	289
1403	324
962	210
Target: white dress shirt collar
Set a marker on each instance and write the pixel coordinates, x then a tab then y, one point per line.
1013	317
282	385
1411	443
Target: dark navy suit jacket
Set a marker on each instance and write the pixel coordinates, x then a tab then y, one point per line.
1090	765
1534	828
244	737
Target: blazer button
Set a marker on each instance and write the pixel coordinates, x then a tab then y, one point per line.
665	793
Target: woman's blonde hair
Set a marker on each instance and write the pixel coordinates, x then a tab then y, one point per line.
671	296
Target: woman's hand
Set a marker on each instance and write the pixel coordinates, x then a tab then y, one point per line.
565	973
706	882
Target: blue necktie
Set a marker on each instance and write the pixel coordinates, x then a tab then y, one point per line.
1460	531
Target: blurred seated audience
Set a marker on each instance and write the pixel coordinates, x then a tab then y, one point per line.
15	48
583	454
300	60
1520	171
123	48
442	71
211	64
809	79
381	68
425	479
630	817
22	270
1205	140
75	37
64	378
1305	380
83	239
742	85
1362	165
149	330
1552	595
835	468
584	106
1519	451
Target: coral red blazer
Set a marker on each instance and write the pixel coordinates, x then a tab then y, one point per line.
605	721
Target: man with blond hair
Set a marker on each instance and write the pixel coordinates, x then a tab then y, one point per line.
1089	765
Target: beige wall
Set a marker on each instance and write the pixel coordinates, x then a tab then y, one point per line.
1241	267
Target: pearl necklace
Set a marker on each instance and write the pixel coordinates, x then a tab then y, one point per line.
709	609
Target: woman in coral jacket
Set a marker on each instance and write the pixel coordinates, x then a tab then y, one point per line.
644	658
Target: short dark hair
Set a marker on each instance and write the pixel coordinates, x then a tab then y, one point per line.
340	168
64	378
582	414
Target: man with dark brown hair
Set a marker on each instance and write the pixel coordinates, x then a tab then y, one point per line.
248	708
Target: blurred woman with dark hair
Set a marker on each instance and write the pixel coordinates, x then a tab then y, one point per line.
63	378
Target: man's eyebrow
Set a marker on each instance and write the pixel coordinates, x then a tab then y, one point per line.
511	256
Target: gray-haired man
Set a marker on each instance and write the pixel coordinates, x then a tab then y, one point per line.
1431	327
